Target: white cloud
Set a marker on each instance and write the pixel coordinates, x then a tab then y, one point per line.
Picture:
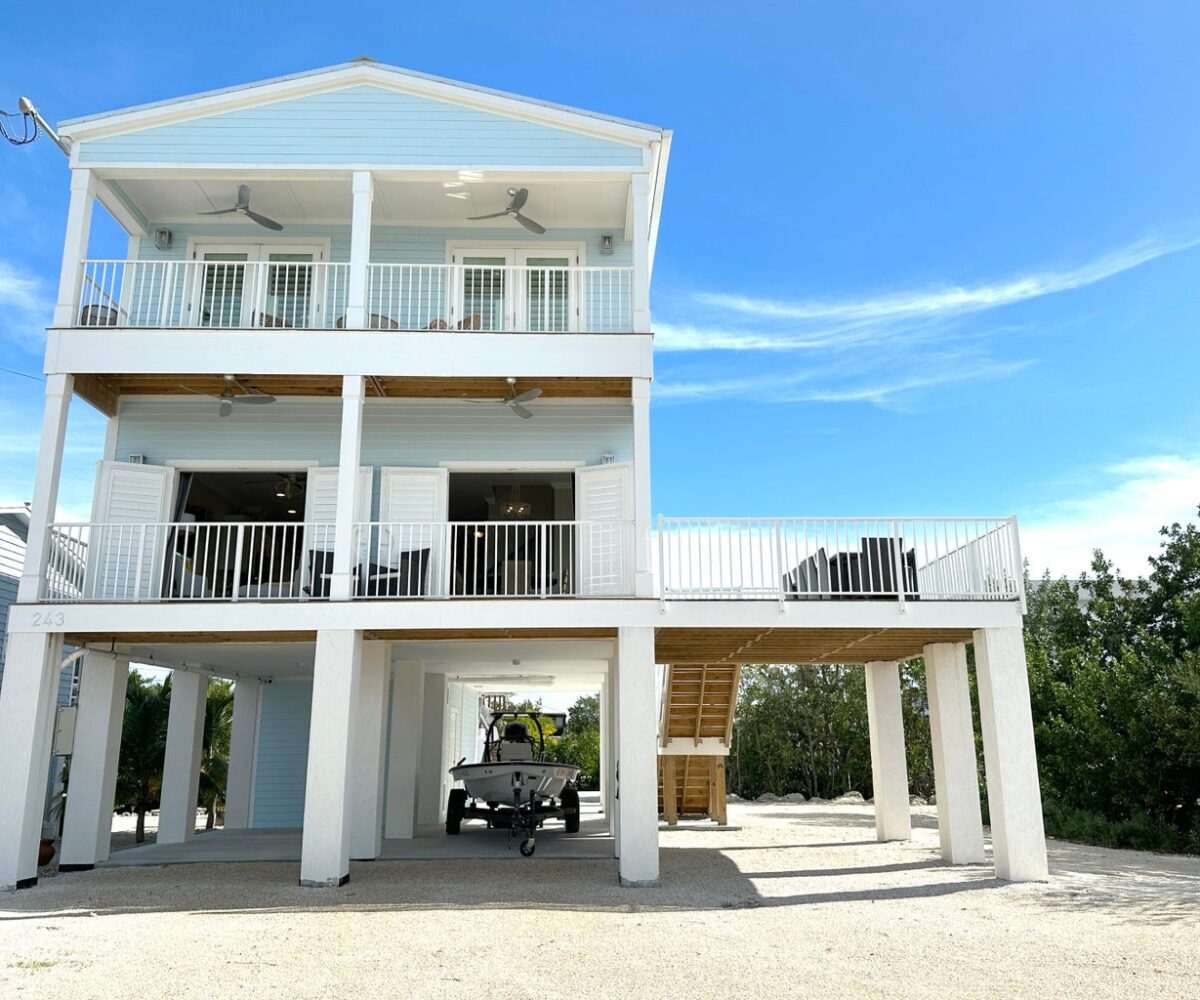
1122	516
25	307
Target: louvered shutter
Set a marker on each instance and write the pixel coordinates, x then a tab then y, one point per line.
128	546
604	508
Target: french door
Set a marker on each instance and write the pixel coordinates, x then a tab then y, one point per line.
255	284
534	291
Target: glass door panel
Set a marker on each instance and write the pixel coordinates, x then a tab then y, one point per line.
288	294
223	289
483	293
547	289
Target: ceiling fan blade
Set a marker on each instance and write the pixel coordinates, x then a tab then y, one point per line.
220	211
529	224
243	199
469	399
494	215
197	392
519	410
518	200
225	408
257	398
526	396
262	220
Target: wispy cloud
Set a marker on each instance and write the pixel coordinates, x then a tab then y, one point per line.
1121	512
25	307
879	349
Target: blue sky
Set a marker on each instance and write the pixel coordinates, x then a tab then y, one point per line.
915	258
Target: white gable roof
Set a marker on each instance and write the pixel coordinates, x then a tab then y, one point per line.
358	71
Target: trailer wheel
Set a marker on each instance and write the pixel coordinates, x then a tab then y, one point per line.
527	848
570	809
456	808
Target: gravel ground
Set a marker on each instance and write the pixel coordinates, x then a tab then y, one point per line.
799	900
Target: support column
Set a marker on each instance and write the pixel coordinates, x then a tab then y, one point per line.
360	249
243	739
431	776
27	702
75	245
404	756
325	843
366	810
1009	756
639	237
643	537
606	779
955	771
637	812
87	822
889	765
45	485
342	579
181	764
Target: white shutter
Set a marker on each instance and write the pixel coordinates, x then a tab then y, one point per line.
410	499
604	508
128	547
320	514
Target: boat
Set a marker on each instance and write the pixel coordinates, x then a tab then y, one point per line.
514	787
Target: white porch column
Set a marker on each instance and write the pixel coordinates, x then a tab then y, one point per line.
408	711
325	844
45	485
637	810
75	245
87	822
360	250
27	702
643	537
342	580
606	782
889	765
955	772
243	737
366	810
639	237
1009	757
181	764
430	777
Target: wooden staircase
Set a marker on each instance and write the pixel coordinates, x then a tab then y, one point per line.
697	715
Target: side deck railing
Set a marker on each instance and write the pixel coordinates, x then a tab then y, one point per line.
794	559
315	295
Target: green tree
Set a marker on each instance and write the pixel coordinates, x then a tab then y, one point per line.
214	754
143	745
580	742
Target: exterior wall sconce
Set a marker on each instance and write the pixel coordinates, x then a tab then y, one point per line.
606	243
163	239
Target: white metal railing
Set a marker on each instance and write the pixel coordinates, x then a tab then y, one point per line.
212	293
188	561
494	559
523	299
173	294
830	558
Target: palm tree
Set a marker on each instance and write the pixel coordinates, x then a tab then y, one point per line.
143	745
214	753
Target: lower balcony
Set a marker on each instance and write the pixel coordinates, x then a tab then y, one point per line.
695	559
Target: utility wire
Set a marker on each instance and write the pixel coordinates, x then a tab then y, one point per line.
28	134
36	378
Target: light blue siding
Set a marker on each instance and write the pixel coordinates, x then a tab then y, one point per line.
361	125
392	244
395	432
281	758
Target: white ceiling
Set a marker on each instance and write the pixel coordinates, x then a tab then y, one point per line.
559	204
569	664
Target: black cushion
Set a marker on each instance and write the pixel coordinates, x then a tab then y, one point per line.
320	570
407	579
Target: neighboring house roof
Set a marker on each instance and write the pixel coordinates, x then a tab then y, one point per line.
360	69
16	518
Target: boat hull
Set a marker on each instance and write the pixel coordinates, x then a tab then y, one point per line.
494	782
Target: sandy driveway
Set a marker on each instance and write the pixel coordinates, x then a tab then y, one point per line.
800	901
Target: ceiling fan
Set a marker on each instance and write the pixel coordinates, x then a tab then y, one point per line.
243	208
228	397
518	197
513	400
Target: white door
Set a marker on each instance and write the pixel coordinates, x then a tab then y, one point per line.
604	510
256	284
128	547
320	515
547	300
521	289
412	540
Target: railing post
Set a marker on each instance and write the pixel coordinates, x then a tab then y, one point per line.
237	562
898	573
141	562
662	568
777	530
1018	562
